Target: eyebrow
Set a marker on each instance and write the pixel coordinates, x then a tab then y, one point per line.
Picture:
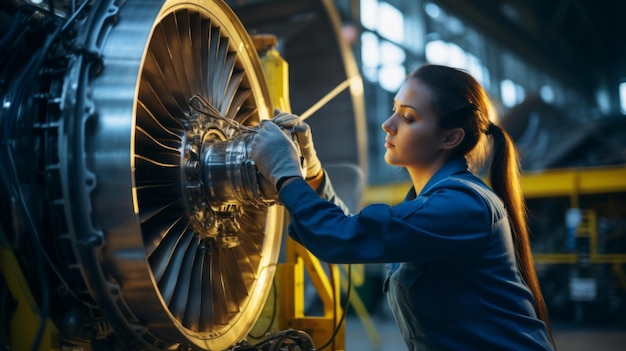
411	107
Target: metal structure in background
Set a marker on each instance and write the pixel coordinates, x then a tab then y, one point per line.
576	216
548	138
574	182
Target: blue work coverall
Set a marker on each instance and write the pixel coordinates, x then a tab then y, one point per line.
452	280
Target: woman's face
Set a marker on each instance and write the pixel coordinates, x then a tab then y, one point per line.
413	137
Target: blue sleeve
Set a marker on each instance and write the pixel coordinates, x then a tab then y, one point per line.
449	224
327	192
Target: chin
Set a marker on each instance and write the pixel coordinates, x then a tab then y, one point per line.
390	160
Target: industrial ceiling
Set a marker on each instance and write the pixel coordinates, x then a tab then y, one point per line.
580	41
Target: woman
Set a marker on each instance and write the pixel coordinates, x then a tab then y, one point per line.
461	274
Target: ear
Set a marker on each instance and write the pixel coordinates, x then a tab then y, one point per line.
452	138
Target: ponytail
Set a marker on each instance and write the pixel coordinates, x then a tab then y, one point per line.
504	176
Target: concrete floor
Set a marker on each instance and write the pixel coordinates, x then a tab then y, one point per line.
362	336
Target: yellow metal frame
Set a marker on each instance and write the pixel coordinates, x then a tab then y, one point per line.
26	317
291	296
290	274
574	183
587	229
557	182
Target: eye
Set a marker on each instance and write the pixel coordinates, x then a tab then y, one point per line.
407	118
407	115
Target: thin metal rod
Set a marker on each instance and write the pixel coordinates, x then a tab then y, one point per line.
324	100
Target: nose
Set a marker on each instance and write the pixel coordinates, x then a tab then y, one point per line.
388	125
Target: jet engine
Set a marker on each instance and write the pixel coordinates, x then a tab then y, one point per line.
128	196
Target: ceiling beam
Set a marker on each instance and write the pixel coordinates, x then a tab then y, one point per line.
486	16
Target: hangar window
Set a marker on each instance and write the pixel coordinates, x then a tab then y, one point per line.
547	94
384	18
382	54
433	11
451	42
393	20
452	23
392	71
511	93
450	54
370	56
622	97
369	14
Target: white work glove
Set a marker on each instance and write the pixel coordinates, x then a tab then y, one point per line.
305	140
274	154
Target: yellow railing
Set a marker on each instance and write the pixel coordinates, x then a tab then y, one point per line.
570	183
549	183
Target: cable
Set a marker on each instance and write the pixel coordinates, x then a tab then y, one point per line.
14	188
33	67
74	15
295	340
209	110
13	31
11	176
302	340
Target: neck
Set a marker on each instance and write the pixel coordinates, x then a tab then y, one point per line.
421	175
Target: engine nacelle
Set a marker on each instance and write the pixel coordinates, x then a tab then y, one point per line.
128	195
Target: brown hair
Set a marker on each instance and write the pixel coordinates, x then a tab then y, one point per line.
461	102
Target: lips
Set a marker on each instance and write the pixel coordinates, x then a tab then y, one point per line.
388	144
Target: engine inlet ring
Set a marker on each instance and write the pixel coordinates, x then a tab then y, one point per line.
160	277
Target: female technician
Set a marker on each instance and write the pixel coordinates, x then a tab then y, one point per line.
461	274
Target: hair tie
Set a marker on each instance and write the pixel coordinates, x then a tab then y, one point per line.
490	128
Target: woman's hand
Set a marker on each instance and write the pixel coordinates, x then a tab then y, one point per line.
305	140
275	155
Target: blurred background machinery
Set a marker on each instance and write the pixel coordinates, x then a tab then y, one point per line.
132	216
575	188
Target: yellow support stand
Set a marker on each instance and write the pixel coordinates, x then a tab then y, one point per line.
324	329
276	71
26	317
